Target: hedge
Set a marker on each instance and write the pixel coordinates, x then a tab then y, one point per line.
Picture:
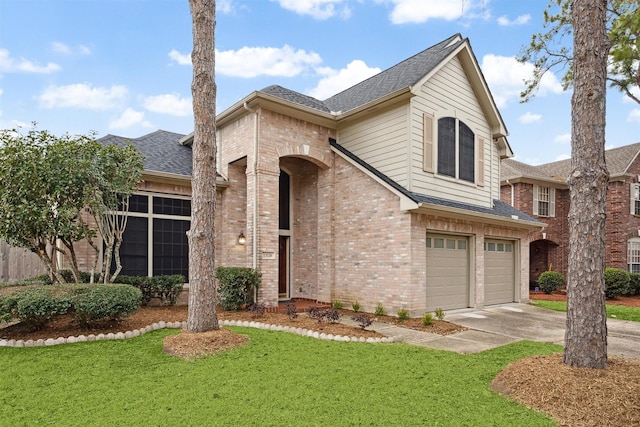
167	288
616	282
550	281
100	303
236	286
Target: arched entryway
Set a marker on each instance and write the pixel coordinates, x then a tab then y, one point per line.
540	259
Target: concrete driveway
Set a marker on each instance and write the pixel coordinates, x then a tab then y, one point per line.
502	324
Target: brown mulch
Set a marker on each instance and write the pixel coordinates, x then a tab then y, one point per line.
578	397
632	301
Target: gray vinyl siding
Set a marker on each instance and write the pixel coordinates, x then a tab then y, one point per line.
448	92
381	141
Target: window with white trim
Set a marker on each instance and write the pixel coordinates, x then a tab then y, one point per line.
544	201
635	199
633	254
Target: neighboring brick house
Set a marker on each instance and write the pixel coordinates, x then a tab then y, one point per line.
386	193
542	192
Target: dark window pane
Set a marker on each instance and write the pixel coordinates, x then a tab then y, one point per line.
467	153
447	146
284	208
170	247
168	206
139	203
134	249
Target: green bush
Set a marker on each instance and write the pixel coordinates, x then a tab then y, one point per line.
98	303
550	281
634	283
167	288
427	319
35	306
616	282
337	304
236	286
403	314
355	306
439	313
379	310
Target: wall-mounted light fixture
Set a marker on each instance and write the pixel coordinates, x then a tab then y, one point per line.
241	239
544	236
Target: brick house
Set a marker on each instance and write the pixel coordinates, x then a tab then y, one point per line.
386	193
542	192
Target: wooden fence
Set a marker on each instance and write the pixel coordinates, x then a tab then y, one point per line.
18	263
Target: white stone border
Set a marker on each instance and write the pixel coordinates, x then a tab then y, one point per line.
178	325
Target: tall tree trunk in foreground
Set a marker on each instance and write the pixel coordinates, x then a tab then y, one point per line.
586	334
202	288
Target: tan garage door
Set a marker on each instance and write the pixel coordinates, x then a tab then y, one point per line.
447	272
499	271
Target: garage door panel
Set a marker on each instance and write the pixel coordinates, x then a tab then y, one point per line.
447	272
499	272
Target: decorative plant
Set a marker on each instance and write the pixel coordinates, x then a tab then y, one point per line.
292	310
403	314
427	319
363	320
257	309
355	306
379	310
550	281
337	304
439	313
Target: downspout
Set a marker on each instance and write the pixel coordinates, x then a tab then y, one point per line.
254	168
512	193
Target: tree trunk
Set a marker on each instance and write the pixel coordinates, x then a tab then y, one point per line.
586	334
202	314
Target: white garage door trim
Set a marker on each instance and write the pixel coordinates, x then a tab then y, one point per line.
447	278
499	271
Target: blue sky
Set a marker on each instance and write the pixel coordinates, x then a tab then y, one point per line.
123	66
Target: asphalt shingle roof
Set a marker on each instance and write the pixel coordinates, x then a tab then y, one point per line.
618	161
161	150
405	74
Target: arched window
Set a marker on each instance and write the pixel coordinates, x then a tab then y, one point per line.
456	149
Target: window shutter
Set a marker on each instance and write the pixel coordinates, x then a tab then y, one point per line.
552	202
635	195
427	147
535	200
480	165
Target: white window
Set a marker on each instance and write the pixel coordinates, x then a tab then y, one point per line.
633	254
635	199
544	201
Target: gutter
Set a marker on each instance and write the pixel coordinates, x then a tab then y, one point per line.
512	193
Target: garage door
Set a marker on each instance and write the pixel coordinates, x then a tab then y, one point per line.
447	272
499	271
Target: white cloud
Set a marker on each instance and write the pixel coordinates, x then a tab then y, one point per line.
562	157
528	118
128	119
224	6
419	11
338	80
251	62
318	9
564	138
520	20
83	95
634	116
181	59
65	49
168	104
12	65
506	76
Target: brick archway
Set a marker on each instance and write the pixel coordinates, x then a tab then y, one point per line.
540	258
320	158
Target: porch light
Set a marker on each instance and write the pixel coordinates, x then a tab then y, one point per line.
544	236
241	239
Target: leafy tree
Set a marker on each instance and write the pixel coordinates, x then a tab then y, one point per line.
553	48
50	186
202	314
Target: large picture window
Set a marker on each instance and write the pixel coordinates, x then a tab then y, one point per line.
456	149
155	240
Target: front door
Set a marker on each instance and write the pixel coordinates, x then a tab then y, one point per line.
283	267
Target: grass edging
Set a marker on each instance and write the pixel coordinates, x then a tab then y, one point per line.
614	311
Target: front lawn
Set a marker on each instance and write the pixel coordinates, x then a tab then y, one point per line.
614	311
277	379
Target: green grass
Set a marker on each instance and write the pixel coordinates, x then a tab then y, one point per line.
277	379
620	312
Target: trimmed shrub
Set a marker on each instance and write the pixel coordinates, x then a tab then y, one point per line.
403	314
166	288
427	319
634	283
550	281
35	306
379	310
98	303
236	286
616	282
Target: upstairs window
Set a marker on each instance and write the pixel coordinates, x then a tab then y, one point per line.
449	149
456	149
544	201
635	199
